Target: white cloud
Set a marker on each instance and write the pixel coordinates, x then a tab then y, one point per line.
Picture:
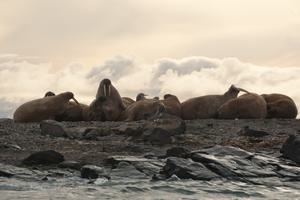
23	78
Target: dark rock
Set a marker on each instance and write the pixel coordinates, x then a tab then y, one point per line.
6	174
291	148
71	165
52	128
252	133
174	125
177	152
44	158
93	172
187	169
158	136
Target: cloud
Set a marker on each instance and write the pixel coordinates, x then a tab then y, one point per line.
25	78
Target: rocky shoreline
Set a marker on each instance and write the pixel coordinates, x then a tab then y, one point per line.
163	149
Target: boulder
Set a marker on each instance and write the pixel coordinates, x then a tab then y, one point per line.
93	172
44	158
291	148
177	152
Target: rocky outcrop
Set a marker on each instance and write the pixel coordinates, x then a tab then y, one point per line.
93	172
44	158
291	148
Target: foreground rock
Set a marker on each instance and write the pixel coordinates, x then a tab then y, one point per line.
44	158
93	172
291	148
233	164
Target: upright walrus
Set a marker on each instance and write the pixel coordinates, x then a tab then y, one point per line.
42	109
108	104
172	105
280	106
206	107
246	106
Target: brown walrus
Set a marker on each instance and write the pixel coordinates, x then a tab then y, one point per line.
127	101
172	104
142	109
205	107
280	106
42	109
108	104
246	106
72	111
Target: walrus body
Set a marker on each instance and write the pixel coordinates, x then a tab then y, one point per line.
42	109
280	106
142	109
206	107
108	104
72	112
172	105
127	101
246	106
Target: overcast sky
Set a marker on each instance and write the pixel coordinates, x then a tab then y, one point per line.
156	46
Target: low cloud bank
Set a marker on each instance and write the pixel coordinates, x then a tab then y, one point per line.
23	78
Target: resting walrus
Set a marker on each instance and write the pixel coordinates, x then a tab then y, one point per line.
280	106
108	104
205	107
72	111
246	106
42	109
172	104
143	109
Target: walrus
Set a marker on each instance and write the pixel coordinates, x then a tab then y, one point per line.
246	106
143	109
206	107
42	109
280	106
72	111
108	104
127	101
172	104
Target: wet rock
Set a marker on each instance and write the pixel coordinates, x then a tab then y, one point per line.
44	158
93	172
6	174
70	165
147	166
52	128
246	131
177	152
187	169
219	150
291	148
10	146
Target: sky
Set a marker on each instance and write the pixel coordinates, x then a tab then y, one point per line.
185	47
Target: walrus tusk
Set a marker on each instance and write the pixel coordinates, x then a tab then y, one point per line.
243	90
75	100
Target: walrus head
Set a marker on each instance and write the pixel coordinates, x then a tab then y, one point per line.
69	95
233	91
49	94
141	96
105	87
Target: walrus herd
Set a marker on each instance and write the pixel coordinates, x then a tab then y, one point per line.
108	105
